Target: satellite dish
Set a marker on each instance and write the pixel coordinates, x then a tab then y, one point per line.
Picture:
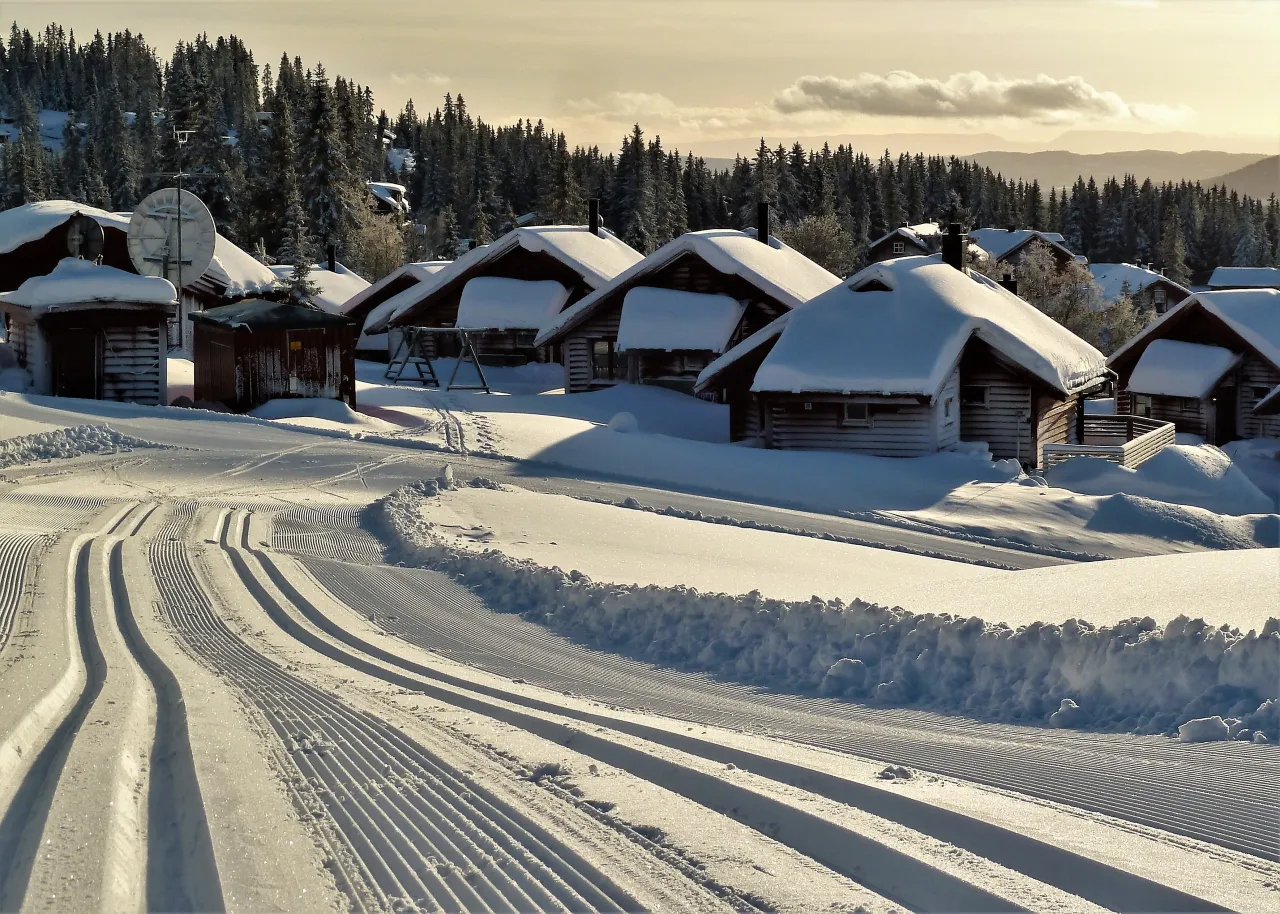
172	235
85	237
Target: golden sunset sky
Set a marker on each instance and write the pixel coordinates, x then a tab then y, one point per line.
702	73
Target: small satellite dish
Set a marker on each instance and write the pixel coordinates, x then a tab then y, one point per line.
85	237
172	235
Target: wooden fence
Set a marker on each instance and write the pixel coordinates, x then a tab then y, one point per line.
1127	440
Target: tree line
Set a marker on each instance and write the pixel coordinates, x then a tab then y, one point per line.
281	156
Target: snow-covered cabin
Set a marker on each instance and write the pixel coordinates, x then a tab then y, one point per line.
1145	285
92	331
1244	278
909	357
1207	366
388	198
379	302
544	268
33	239
1010	245
667	317
906	241
337	286
257	350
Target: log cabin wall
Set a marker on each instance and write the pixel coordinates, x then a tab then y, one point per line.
1189	416
134	363
1058	422
799	422
995	405
1257	379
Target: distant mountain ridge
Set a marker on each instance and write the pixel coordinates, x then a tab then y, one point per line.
1261	179
1058	168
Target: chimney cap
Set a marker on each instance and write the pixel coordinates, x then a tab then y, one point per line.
955	228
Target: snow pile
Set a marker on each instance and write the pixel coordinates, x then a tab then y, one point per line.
1259	459
1132	515
1172	368
1134	675
318	412
14	379
1197	475
671	320
77	441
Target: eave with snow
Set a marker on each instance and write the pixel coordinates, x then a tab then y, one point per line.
905	358
1244	278
92	331
1145	285
662	321
574	257
1165	371
375	304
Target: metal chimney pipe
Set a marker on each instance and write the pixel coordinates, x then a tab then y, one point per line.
1010	283
593	215
762	222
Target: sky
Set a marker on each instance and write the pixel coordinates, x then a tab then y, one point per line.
710	74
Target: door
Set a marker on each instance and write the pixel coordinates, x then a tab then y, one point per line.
1224	399
305	363
77	363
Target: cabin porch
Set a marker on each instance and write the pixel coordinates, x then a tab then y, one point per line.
1127	440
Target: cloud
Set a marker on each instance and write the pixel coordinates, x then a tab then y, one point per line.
647	107
423	78
972	95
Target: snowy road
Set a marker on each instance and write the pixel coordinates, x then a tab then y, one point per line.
244	458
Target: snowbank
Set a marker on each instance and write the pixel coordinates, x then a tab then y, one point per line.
1202	476
317	412
1135	675
67	442
1259	459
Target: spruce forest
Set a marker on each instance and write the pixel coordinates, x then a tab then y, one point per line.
281	156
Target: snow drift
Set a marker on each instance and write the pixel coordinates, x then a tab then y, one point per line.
1134	675
67	442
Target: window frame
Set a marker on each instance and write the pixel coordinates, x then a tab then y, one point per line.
899	247
848	421
611	360
984	403
1141	405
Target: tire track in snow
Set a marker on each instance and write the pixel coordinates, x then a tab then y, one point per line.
23	824
1150	781
406	828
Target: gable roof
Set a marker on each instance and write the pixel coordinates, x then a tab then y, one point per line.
596	258
1172	368
781	272
905	334
920	235
258	313
376	294
1251	314
232	272
1111	277
76	282
1000	243
1245	278
763	338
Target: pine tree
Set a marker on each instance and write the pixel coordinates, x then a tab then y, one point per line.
448	249
481	234
635	196
1173	248
298	249
326	187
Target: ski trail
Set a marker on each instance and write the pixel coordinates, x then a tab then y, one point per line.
408	829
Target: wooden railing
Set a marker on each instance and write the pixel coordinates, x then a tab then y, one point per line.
1127	440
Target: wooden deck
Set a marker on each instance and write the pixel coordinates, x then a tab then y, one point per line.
1127	440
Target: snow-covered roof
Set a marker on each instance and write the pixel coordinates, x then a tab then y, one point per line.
403	299
1111	277
1270	404
498	303
1252	314
596	258
335	288
1245	278
388	193
231	268
779	271
916	234
1172	368
1000	242
765	336
415	272
671	320
904	333
75	281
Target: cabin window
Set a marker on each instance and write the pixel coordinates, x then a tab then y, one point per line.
857	414
1160	298
946	409
899	247
974	395
604	360
1142	405
1190	405
1259	392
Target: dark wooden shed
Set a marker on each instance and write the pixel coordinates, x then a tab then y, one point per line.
256	350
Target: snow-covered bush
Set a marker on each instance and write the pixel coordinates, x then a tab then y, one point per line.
1134	675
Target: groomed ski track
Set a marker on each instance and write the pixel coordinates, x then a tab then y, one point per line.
405	828
1150	781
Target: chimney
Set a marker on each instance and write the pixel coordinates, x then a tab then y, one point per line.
593	215
762	222
471	245
953	245
1010	228
333	258
1149	266
1009	283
